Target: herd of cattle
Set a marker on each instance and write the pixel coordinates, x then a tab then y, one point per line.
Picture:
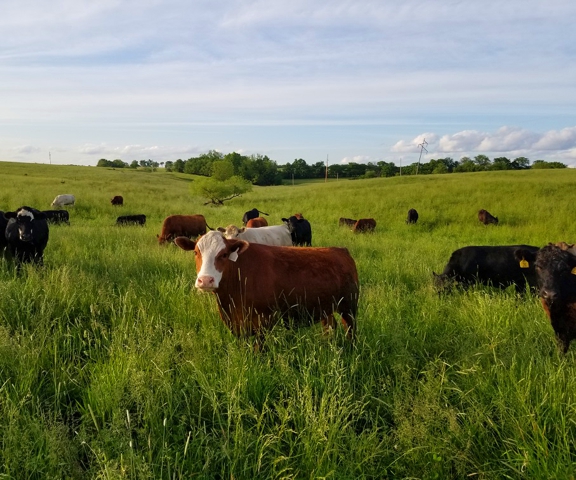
246	268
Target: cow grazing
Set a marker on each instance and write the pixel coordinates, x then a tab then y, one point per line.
257	222
117	200
486	217
26	235
131	220
556	275
250	214
499	266
257	286
57	217
364	225
300	231
412	216
62	200
182	226
278	235
349	222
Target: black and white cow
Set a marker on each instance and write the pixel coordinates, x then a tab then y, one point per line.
3	242
26	235
57	216
300	230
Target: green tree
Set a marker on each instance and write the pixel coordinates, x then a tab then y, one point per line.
168	166
538	164
134	164
217	192
222	170
520	163
501	163
482	162
104	163
179	165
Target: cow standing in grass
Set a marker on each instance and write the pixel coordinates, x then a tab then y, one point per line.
278	235
412	216
27	235
257	222
300	231
487	218
57	217
182	225
364	225
250	214
117	200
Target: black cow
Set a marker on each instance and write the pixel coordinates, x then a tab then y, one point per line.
250	214
131	220
412	216
499	266
300	230
3	241
556	275
27	235
57	216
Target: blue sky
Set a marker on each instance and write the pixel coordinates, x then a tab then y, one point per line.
352	80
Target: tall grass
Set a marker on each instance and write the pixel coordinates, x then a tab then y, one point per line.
112	366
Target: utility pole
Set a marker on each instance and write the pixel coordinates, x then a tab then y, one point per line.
326	175
400	166
422	148
50	157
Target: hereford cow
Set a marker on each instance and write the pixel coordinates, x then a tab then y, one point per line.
274	235
131	220
412	216
257	222
117	200
250	214
57	216
300	231
556	272
26	235
364	225
62	200
182	225
257	286
486	217
347	221
499	266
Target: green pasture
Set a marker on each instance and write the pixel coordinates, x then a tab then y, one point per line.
112	366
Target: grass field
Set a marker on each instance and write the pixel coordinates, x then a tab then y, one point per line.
113	366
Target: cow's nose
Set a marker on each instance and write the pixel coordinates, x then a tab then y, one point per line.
205	281
549	295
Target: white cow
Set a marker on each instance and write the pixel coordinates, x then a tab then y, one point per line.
62	200
273	235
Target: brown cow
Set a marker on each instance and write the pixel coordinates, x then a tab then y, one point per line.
117	200
258	285
181	225
257	222
486	217
346	221
364	225
299	216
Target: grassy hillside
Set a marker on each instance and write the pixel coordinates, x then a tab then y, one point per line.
112	366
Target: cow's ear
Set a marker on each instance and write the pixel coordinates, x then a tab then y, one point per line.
221	230
524	255
9	215
185	243
242	230
285	220
238	246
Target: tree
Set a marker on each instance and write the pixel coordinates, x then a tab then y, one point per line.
217	192
520	163
168	166
222	170
482	161
104	163
538	164
134	164
501	163
179	166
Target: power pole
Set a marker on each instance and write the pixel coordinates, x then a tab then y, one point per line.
422	148
400	166
326	175
50	158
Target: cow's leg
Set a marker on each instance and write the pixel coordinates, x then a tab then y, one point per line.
349	324
328	323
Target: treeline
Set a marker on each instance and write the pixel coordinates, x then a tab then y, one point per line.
148	164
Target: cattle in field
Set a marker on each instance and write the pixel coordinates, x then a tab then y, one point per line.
412	216
182	226
499	266
364	225
117	200
300	231
26	235
487	218
257	222
257	286
3	241
278	235
556	275
57	217
62	200
298	216
349	222
250	214
131	220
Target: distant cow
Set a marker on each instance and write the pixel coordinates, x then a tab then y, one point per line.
412	216
499	266
181	226
117	200
364	225
278	235
556	272
57	216
26	235
257	222
250	214
487	218
300	231
131	220
62	200
258	285
349	222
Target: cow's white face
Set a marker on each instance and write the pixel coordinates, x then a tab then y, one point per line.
25	224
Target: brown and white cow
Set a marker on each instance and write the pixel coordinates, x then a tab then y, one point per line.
257	285
257	222
181	225
278	235
364	225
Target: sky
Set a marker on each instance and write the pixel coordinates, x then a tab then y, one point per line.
348	81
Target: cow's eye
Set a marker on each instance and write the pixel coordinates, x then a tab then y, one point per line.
224	256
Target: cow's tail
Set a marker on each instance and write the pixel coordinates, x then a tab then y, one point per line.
209	227
262	212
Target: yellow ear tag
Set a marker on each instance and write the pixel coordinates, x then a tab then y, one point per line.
573	271
233	256
525	264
